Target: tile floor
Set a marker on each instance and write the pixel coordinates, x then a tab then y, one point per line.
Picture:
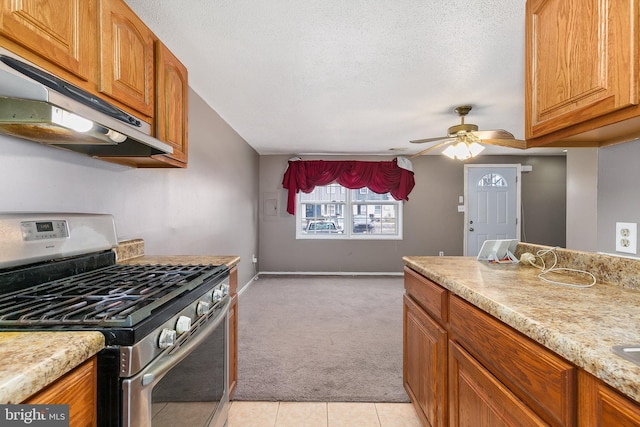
321	414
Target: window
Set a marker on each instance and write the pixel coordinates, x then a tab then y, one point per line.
492	180
335	212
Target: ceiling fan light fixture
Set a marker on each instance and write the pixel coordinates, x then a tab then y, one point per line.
475	148
467	141
462	150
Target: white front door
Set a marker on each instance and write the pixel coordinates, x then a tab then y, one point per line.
492	208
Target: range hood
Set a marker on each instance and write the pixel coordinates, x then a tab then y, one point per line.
40	107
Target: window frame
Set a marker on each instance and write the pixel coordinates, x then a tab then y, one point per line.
347	210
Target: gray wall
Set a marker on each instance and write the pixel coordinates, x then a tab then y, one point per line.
431	220
544	200
618	191
209	208
582	199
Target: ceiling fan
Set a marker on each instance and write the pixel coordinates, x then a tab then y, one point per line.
468	139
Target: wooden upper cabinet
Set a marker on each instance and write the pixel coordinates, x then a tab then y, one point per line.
581	69
127	57
103	47
53	34
172	99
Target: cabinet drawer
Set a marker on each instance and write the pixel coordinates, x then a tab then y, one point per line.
536	375
431	297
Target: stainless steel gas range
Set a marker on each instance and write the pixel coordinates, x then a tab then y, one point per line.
165	326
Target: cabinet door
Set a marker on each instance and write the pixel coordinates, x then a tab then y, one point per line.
233	330
60	32
581	61
78	389
601	406
172	92
233	344
478	399
126	65
425	364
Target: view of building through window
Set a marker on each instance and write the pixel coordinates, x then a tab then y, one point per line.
333	211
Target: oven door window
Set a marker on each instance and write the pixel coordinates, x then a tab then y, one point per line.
189	394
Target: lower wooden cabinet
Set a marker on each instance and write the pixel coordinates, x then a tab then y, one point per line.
538	377
478	399
233	344
425	364
233	330
78	389
601	406
463	367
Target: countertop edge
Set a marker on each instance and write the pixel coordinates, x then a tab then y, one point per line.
228	260
34	360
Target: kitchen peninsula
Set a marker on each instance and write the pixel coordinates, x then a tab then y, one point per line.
495	337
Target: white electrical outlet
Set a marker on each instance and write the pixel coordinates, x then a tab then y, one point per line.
627	237
254	259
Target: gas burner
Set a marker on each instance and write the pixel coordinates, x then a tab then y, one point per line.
118	295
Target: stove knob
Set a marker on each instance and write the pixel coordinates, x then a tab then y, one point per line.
225	289
167	338
203	308
217	295
183	325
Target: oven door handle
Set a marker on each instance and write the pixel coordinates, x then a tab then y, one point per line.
156	370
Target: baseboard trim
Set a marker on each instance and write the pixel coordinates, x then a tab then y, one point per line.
315	273
246	285
329	273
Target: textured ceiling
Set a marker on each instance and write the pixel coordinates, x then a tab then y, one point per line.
348	77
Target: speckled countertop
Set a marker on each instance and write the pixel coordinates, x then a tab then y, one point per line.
33	360
579	324
230	260
132	252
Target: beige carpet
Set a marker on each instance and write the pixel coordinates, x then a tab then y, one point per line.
324	339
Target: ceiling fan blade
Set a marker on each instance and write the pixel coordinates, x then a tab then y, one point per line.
422	141
493	134
433	147
511	143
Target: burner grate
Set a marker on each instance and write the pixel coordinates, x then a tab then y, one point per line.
118	295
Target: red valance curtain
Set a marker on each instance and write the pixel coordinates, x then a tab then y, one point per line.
379	177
